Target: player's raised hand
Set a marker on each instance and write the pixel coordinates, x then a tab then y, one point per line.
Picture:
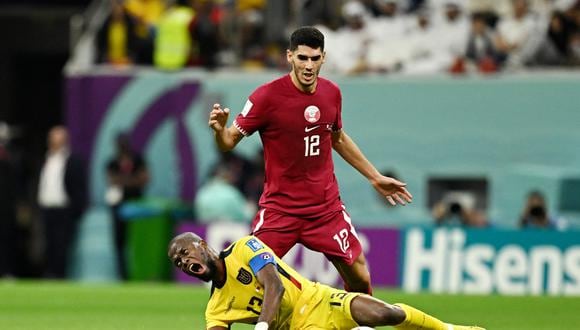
394	190
218	117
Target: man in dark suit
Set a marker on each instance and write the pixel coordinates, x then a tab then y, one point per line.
62	197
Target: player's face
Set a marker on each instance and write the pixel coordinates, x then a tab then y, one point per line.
306	63
194	260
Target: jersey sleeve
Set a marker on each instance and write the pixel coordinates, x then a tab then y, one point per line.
215	323
253	115
256	254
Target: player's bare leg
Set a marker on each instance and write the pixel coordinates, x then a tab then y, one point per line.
356	276
369	311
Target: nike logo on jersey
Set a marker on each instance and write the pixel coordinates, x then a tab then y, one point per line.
310	129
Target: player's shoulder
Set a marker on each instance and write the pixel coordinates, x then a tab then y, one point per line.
329	87
251	243
275	84
322	81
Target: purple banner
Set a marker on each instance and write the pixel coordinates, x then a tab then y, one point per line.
381	247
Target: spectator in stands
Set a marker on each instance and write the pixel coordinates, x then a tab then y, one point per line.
147	14
62	197
205	33
481	52
536	215
321	12
117	40
346	49
389	24
453	28
172	49
128	176
219	200
520	35
556	46
250	22
423	41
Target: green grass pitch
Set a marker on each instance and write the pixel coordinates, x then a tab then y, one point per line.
66	305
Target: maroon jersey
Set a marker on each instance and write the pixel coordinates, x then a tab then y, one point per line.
295	128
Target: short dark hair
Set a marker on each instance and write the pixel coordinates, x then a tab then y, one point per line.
307	36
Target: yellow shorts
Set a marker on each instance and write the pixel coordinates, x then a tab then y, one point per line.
323	307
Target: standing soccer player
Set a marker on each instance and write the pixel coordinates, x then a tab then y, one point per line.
299	120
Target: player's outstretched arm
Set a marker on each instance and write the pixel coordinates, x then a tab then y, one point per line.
273	292
394	191
226	137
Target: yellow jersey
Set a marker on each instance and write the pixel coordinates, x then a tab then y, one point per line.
240	299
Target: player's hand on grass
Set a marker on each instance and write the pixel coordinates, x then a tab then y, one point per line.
218	118
394	190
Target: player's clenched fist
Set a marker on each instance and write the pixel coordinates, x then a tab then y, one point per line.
218	117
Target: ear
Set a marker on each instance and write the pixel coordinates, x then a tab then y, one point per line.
289	56
323	56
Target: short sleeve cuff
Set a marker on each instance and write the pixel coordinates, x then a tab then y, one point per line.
243	131
261	260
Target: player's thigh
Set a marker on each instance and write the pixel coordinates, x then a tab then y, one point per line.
333	311
279	231
334	236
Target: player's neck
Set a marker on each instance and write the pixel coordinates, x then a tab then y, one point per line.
220	274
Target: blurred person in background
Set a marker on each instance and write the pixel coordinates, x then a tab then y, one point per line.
8	201
206	34
558	42
128	176
519	35
348	45
62	198
390	23
117	41
219	200
299	120
147	14
249	27
458	210
452	28
481	53
535	214
172	47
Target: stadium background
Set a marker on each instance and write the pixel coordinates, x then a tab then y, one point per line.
514	131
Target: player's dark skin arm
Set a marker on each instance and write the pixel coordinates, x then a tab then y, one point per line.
273	291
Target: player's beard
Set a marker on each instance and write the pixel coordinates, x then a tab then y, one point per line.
299	74
210	272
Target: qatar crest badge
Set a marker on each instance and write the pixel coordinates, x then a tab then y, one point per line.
312	114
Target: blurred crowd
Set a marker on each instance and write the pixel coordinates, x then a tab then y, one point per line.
362	36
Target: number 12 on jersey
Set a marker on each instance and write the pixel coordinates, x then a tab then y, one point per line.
311	145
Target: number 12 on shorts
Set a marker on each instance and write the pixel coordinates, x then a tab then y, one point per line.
342	239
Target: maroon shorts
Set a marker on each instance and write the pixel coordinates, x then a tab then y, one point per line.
331	234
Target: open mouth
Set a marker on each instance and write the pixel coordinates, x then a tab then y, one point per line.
191	268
